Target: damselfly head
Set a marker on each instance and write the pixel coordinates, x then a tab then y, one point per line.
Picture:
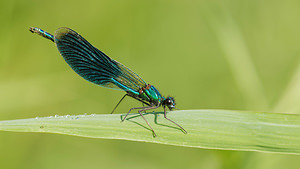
170	102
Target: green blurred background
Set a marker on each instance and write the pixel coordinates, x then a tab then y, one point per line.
209	54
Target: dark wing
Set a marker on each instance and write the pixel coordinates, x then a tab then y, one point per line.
93	65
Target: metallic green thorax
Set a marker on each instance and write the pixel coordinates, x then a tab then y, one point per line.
150	94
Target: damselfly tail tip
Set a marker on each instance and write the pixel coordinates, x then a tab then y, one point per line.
41	33
32	29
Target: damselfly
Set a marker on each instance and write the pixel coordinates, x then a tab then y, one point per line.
96	67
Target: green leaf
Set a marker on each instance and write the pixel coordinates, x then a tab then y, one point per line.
212	129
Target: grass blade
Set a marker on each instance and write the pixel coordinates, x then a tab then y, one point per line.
240	61
212	129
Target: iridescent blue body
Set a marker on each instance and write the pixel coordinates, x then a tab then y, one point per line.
96	67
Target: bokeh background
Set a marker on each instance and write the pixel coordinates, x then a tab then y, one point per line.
209	54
